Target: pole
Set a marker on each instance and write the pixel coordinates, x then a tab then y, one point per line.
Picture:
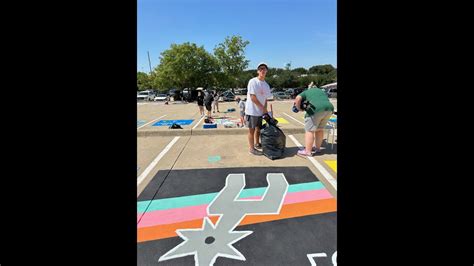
149	62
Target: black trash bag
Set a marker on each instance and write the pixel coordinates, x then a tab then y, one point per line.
273	141
269	119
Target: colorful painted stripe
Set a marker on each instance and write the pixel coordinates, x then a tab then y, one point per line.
202	199
332	164
198	212
287	211
280	120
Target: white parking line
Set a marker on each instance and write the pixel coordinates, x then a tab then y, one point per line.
155	161
294	118
198	122
151	121
318	166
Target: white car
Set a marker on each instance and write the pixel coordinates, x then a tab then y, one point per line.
160	97
146	96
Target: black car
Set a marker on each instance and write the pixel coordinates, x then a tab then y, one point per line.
176	94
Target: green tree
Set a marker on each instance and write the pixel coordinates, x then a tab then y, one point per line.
274	71
185	66
287	80
299	71
230	56
303	82
244	78
321	69
144	81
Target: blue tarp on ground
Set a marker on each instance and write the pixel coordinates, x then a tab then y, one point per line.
170	122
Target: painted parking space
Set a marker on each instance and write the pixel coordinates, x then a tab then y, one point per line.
328	153
181	211
140	122
280	120
332	164
168	123
148	149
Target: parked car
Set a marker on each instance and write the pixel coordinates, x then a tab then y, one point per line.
161	97
332	92
241	91
175	94
228	96
280	95
295	92
147	95
330	89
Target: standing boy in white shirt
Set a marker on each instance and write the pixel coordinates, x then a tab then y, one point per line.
256	106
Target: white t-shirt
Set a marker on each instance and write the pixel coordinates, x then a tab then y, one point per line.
261	89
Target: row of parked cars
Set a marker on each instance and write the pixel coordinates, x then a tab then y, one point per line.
292	93
286	94
188	95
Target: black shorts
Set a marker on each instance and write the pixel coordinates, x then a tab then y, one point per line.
208	107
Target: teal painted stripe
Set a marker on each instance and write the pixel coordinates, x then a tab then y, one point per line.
195	200
253	192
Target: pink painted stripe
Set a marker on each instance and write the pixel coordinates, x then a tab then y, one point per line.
197	212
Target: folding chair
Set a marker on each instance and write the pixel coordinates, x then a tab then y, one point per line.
331	127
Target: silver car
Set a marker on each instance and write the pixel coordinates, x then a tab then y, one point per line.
332	92
280	95
228	96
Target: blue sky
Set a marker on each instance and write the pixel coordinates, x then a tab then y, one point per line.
303	32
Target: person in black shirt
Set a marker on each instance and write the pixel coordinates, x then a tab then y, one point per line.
200	102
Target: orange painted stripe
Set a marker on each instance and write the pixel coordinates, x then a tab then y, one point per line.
287	211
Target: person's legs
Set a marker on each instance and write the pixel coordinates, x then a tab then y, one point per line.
320	120
257	136
309	140
314	143
251	139
309	135
319	136
257	120
252	124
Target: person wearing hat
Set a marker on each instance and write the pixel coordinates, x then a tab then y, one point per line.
258	91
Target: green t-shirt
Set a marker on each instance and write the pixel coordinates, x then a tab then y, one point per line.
318	99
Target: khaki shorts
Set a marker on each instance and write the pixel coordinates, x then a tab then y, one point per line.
317	121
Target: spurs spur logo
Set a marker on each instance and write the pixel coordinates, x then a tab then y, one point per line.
213	241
